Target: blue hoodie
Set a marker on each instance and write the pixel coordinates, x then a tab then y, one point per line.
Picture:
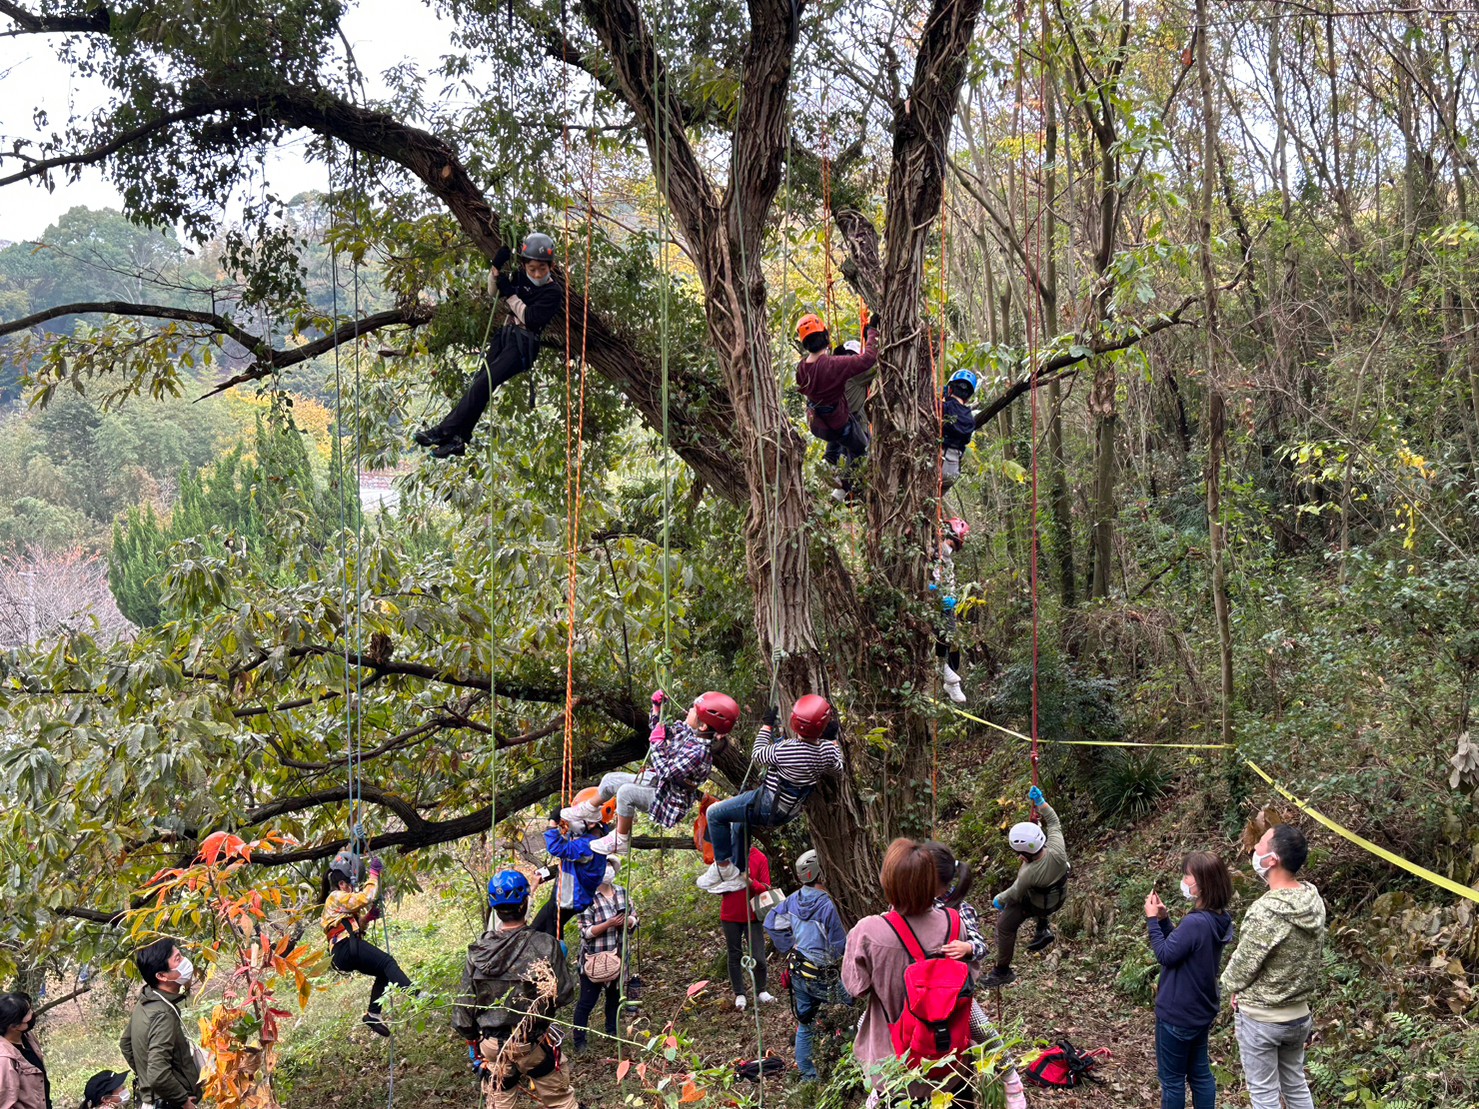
826	942
1189	955
581	870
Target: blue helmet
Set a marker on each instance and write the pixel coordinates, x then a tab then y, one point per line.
507	888
966	376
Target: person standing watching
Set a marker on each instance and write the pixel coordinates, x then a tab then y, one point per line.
23	1081
1274	972
155	1045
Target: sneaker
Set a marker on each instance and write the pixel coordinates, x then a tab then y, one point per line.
948	673
577	1047
839	495
766	998
1001	976
1044	938
612	843
739	1001
376	1024
731	878
454	447
709	878
430	437
583	811
954	692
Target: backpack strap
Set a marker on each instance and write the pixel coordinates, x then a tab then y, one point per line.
907	939
953	930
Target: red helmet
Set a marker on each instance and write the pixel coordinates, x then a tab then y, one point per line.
810	716
957	529
809	324
718	711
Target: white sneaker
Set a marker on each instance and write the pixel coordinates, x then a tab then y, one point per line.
730	879
766	998
950	676
612	843
709	878
954	692
839	495
583	811
739	1001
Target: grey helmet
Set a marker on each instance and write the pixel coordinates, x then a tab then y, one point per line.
808	868
537	247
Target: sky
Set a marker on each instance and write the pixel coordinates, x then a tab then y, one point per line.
383	33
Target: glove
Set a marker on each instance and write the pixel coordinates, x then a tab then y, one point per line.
949	603
772	715
658	699
1035	796
473	1056
376	865
832	731
996	904
501	258
934	587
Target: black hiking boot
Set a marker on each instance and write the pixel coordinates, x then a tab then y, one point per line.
376	1024
1001	976
454	447
431	437
1044	938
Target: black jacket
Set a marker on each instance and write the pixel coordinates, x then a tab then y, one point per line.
959	424
533	306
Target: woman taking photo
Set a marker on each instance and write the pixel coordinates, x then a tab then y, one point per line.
1187	1001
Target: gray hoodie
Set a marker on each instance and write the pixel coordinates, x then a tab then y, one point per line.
1276	967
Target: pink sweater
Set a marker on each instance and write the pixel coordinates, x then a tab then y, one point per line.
22	1084
873	971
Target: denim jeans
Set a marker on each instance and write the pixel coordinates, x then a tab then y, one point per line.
1181	1061
1273	1062
807	1005
727	829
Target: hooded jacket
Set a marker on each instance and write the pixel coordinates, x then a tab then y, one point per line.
497	985
1189	954
581	870
789	925
159	1052
1275	969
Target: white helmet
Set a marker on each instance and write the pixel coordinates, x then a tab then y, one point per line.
1027	838
808	868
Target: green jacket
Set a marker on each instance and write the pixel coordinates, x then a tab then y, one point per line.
159	1053
1276	967
1034	879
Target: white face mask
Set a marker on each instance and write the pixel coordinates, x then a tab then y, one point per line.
1187	892
537	280
609	878
186	970
1261	865
123	1096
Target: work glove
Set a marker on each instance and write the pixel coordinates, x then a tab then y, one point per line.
772	715
376	865
949	603
554	816
934	587
501	258
832	731
996	904
1035	796
659	698
473	1055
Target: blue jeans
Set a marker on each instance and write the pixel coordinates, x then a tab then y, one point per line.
727	829
807	1005
1181	1060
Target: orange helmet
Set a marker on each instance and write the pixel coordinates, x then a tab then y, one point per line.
593	795
810	716
717	711
809	325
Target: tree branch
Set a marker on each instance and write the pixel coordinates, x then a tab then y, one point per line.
32	23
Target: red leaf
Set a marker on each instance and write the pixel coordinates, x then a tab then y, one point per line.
210	850
622	1068
690	1093
697	988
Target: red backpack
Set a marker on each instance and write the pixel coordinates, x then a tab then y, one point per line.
936	1019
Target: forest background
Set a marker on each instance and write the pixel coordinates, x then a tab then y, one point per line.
1215	266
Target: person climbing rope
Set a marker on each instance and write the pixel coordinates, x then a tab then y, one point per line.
535	297
822	378
1038	892
957	424
795	766
347	912
807	929
943	584
603	956
568	839
514	980
679	761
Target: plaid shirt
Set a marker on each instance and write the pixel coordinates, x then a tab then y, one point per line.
680	761
602	909
970	926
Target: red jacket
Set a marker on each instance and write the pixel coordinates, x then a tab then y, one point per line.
823	380
735	907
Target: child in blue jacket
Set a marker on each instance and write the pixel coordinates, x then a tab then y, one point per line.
957	423
568	839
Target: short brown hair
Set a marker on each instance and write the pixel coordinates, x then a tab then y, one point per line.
1214	886
908	877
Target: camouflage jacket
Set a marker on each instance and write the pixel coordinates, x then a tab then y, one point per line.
1276	967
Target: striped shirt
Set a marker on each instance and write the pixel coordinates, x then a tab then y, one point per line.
796	762
602	908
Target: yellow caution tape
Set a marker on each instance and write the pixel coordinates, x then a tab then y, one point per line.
1365	844
1314	814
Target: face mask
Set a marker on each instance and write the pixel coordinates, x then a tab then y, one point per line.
609	878
186	971
123	1096
1187	892
537	280
1261	865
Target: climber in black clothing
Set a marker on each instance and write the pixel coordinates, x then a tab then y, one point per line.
535	297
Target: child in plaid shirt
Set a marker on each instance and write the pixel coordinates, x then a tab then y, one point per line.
681	758
601	926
